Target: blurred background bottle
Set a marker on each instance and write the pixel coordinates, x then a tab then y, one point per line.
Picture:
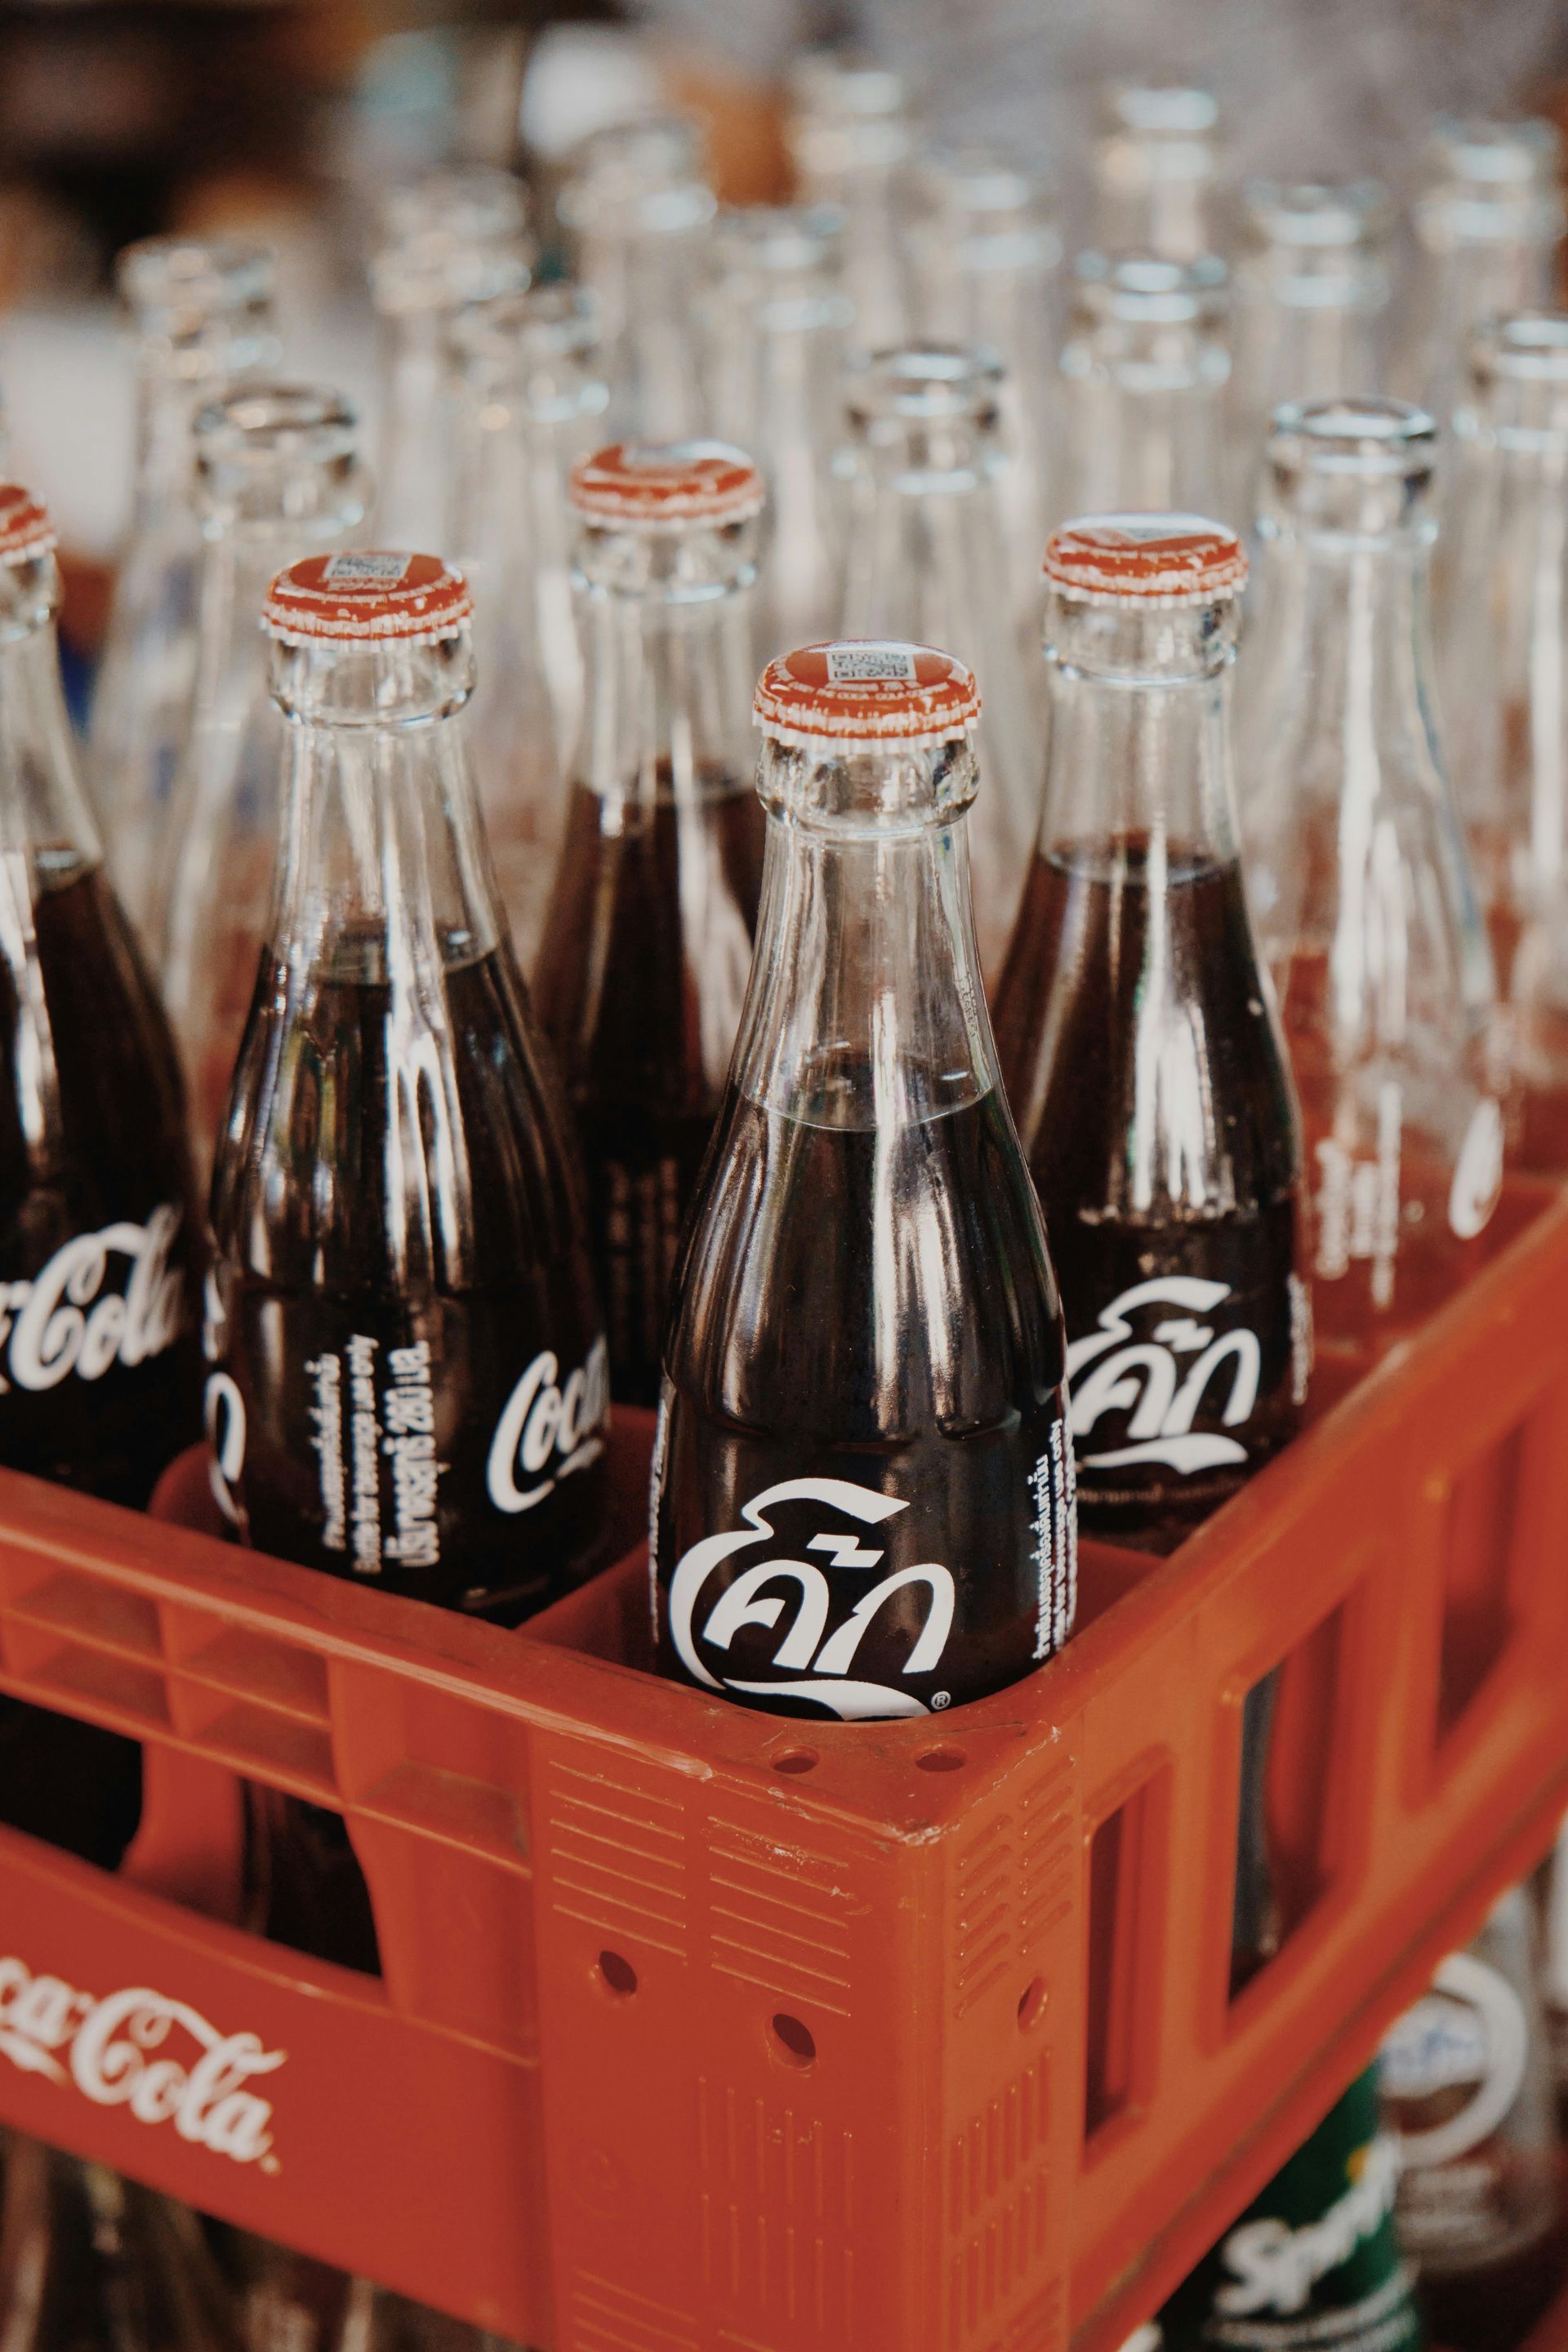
852	136
1158	170
1144	369
638	218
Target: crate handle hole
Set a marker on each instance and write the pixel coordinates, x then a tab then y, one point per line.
795	2041
942	1759
1032	2003
618	1976
798	1760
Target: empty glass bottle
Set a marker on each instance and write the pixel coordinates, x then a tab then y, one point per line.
1487	218
1140	1044
864	1361
277	469
1502	634
776	319
852	136
925	559
408	1378
202	316
531	400
1362	890
648	937
639	221
1157	170
985	256
1144	370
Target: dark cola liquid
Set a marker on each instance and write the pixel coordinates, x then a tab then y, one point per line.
439	1431
863	1484
639	988
100	1370
1156	1114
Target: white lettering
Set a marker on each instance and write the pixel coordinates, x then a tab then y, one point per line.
49	1331
544	1429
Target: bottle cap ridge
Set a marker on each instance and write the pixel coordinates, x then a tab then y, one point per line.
866	690
25	530
367	598
1168	559
655	484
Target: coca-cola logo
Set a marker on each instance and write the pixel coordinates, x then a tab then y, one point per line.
548	1429
66	1321
1161	1381
143	2051
814	1665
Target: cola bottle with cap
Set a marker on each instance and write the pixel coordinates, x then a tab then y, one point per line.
862	1486
1466	2080
408	1381
1140	1044
648	937
99	1366
1359	884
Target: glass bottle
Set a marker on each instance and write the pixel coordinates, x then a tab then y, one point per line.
850	135
1503	638
202	316
864	1362
1360	888
457	239
984	256
277	471
924	484
1157	170
1486	219
776	319
532	402
408	1378
1310	301
1466	2079
1551	1886
648	937
1140	1044
639	224
1144	371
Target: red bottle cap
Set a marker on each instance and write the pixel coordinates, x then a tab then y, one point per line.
656	483
25	530
370	598
863	690
1170	559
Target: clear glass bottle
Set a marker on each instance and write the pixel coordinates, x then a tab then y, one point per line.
1310	305
457	240
203	316
1502	639
852	136
1157	170
1466	2079
276	470
1140	1044
776	318
639	224
1144	368
531	401
1486	220
407	1380
648	937
864	1364
985	257
1360	888
925	559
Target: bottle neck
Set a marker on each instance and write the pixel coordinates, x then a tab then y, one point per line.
45	825
175	375
666	624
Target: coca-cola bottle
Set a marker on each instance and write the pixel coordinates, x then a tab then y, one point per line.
1144	370
862	1486
851	136
408	1380
1140	1044
648	939
277	471
1466	2078
1360	888
202	316
1158	168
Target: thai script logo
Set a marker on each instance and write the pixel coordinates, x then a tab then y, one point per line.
546	1432
64	1321
119	2051
1144	1379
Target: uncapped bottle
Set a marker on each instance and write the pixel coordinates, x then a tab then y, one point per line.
851	136
638	217
407	1379
1360	888
925	488
648	937
203	315
1158	168
1144	368
1140	1044
862	1486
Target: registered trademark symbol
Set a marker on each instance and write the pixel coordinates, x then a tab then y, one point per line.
943	1698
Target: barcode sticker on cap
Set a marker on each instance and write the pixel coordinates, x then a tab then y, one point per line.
365	571
865	664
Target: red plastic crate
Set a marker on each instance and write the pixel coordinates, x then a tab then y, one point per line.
930	2044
